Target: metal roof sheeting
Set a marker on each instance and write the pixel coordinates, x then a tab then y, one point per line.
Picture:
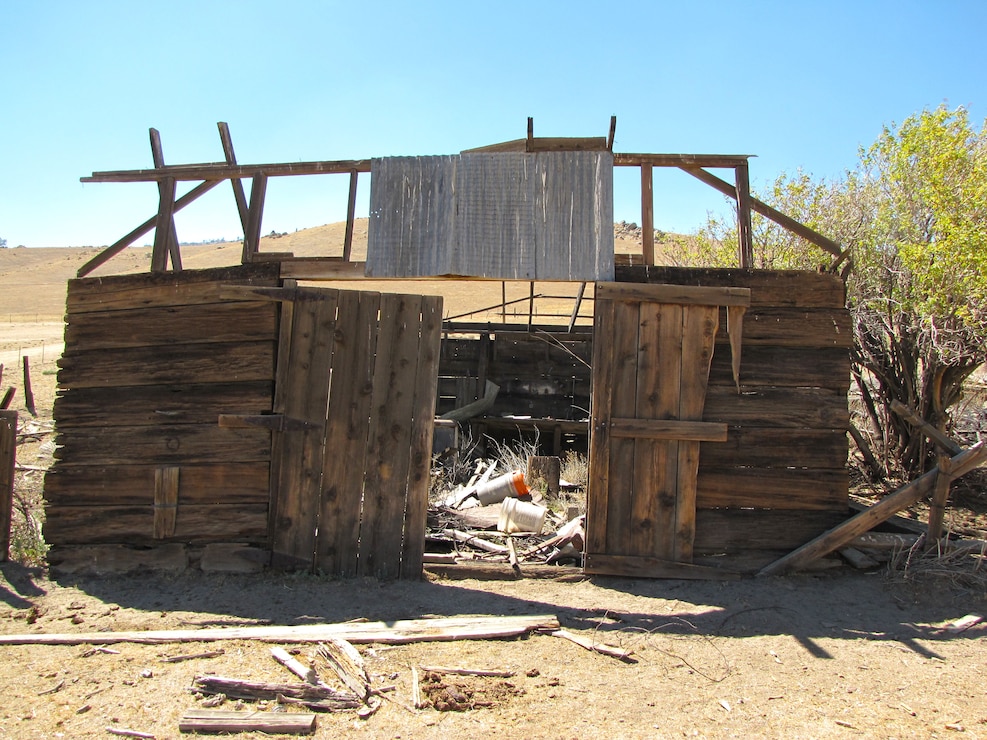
510	216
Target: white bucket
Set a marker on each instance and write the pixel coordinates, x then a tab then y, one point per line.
521	516
506	486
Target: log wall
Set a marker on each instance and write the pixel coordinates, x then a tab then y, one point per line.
150	362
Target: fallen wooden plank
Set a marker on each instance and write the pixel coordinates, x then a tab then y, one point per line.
456	671
315	695
879	512
217	720
399	632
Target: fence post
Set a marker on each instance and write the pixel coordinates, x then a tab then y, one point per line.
8	453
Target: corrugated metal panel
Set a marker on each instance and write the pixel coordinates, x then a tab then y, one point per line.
544	216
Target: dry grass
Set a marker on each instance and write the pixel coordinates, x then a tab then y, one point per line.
956	567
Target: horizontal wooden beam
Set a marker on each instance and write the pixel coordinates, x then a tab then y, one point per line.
669	429
545	144
767	211
683	294
224	171
647	567
681	160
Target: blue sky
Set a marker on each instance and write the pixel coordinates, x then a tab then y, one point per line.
799	84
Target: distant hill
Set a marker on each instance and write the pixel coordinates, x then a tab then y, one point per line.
33	280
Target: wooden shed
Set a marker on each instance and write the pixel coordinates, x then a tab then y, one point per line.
209	412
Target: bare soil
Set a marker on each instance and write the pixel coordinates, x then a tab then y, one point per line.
835	654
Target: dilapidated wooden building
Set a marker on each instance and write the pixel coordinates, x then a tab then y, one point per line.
207	412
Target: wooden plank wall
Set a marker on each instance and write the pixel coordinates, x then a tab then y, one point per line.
513	215
780	479
150	362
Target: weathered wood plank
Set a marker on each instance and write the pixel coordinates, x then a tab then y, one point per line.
422	427
389	450
160	404
789	326
144	290
650	477
167	365
347	434
397	632
233	321
771	288
306	398
8	456
670	429
599	442
623	404
772	488
92	525
772	448
166	483
133	484
727	531
699	325
819	408
682	295
637	566
180	443
827	367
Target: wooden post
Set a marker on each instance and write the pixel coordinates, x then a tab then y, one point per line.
251	235
173	248
745	232
647	214
8	454
350	217
529	144
165	501
613	132
28	392
238	194
531	304
162	226
576	306
940	495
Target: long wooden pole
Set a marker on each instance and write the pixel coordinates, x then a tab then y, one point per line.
398	632
768	212
879	512
8	454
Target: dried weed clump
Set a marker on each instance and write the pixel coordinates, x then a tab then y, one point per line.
961	567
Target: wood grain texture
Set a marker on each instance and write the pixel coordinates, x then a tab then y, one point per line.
133	484
347	432
306	398
167	365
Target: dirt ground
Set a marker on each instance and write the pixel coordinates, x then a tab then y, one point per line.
835	654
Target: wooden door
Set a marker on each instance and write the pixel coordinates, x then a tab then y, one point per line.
652	351
356	384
